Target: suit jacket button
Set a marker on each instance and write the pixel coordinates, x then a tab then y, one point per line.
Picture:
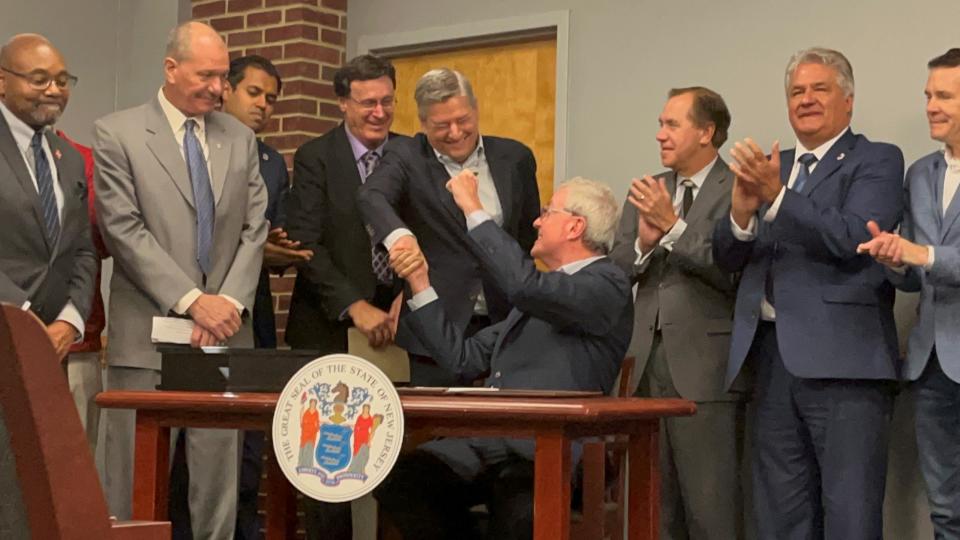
497	375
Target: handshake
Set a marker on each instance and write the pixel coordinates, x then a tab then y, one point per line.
409	263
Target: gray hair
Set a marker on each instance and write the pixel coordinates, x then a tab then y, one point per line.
596	203
826	57
439	85
179	38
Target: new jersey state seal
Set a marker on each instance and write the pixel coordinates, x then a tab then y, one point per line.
338	428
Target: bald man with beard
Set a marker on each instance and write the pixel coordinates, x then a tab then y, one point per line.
48	263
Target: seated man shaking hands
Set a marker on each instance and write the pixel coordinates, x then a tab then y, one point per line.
569	329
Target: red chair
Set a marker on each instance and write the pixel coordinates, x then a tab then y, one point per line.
60	489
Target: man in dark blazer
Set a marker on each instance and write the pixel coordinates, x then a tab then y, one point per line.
683	314
925	257
339	288
404	203
48	263
813	318
568	330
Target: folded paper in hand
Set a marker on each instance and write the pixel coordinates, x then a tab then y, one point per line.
171	330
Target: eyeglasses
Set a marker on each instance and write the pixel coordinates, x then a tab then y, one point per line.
41	80
368	105
546	211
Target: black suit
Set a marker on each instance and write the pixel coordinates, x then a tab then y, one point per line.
408	191
322	213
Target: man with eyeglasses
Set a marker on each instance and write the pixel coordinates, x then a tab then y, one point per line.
181	205
340	286
49	262
404	205
568	330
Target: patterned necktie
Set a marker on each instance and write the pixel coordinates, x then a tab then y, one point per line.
202	194
48	201
806	160
378	255
687	197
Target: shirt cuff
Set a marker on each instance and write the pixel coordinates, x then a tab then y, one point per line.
397	234
422	298
771	213
930	258
181	307
744	235
476	218
71	316
26	306
233	301
641	256
674	234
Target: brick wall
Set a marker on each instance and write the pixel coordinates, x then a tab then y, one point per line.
307	41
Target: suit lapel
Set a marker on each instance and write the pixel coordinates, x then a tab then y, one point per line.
346	165
831	161
218	144
502	179
164	147
953	207
438	180
11	152
710	192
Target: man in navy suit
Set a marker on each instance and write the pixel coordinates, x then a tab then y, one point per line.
250	94
813	319
925	257
568	330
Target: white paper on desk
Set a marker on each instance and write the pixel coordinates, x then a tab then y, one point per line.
470	390
392	360
171	330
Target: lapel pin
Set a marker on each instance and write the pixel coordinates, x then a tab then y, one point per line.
57	154
265	157
841	156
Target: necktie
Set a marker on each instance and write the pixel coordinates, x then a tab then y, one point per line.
806	160
202	194
48	202
378	255
687	196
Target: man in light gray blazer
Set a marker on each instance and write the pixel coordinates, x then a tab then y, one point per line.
47	260
925	257
683	313
181	206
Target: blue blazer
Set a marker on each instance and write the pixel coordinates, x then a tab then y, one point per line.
834	307
938	315
273	169
565	332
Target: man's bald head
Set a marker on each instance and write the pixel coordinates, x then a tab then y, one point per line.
34	81
195	68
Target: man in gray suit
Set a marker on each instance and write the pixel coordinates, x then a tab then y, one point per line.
925	257
48	262
682	317
568	330
181	206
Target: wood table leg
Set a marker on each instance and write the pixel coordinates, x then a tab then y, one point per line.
151	468
281	502
643	517
551	492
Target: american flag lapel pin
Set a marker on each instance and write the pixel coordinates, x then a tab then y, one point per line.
841	156
57	154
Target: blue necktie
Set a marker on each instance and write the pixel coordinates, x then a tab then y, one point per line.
202	194
806	160
48	202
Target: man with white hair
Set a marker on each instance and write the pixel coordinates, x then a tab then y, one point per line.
181	205
814	318
568	330
403	203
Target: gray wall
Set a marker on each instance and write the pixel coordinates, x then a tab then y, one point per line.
114	46
625	55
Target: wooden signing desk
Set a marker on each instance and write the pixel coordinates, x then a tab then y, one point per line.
553	422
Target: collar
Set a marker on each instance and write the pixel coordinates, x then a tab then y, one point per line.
821	150
22	133
447	160
953	162
575	266
701	176
359	149
175	117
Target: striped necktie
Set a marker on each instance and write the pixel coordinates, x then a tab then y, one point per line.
48	201
378	255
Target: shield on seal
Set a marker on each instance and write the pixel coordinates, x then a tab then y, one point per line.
333	448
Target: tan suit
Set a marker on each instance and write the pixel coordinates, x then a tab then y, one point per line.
147	216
